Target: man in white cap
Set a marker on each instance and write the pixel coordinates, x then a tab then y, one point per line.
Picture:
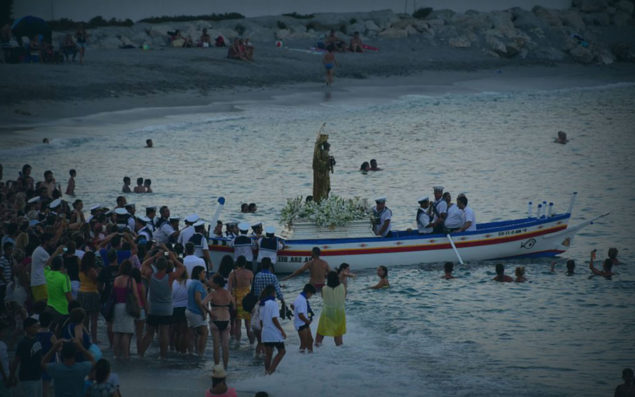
187	233
382	217
122	217
33	209
424	218
269	245
243	244
440	209
164	229
151	212
144	230
201	247
231	229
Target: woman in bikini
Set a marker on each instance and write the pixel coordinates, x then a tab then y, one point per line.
329	64
221	302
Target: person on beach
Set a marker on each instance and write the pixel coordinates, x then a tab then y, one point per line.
70	188
520	274
333	316
236	51
47	339
197	310
240	281
344	273
269	246
448	267
272	333
139	188
69	374
140	322
329	63
81	37
205	40
500	274
302	317
318	269
179	331
356	44
28	358
626	389
382	273
123	323
149	143
335	42
219	387
102	387
222	303
126	185
607	266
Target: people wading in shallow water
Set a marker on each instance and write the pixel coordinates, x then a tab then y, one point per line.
500	274
333	316
382	272
448	267
520	274
607	267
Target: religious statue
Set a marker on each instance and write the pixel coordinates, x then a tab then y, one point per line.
322	165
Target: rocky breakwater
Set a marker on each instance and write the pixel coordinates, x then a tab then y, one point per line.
590	31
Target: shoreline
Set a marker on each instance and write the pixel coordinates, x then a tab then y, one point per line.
26	123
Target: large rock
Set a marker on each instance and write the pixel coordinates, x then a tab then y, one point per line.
551	17
403	23
549	54
572	19
371	26
591	5
582	55
460	42
621	18
383	18
526	20
598	19
626	6
392	33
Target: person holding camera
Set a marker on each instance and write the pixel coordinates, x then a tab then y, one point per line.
161	269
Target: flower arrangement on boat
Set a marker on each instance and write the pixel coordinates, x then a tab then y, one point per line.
333	211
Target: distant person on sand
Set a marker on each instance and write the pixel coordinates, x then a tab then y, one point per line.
500	274
82	37
69	48
205	40
147	184
365	167
318	269
382	273
126	185
606	267
70	188
373	165
448	267
562	138
356	43
626	389
520	274
149	143
139	188
329	62
236	51
335	42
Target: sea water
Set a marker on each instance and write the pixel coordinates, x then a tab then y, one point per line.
552	336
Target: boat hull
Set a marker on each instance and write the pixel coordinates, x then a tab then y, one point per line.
528	237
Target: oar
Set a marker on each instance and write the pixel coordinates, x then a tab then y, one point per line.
221	204
454	248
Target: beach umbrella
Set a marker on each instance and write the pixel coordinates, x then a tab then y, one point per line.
31	26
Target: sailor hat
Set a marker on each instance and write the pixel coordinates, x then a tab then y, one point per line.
121	211
381	199
55	203
231	223
130	205
153	208
95	207
174	219
422	199
257	224
244	226
438	188
199	223
144	219
192	218
34	200
270	230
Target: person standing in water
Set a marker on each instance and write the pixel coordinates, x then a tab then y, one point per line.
329	62
382	272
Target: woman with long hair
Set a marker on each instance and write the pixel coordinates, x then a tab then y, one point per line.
221	302
123	326
333	317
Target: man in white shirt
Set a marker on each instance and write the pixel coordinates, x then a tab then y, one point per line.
424	219
382	217
243	244
190	261
440	209
272	333
269	245
187	233
455	218
39	260
470	219
201	247
164	229
302	316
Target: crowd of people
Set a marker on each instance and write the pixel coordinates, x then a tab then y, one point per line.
39	48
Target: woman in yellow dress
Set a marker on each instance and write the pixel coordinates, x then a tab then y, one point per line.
240	281
333	317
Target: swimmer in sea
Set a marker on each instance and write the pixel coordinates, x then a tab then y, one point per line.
382	272
365	167
448	267
613	256
329	64
520	274
606	267
344	273
500	274
318	269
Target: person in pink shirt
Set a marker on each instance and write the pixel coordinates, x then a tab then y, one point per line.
219	387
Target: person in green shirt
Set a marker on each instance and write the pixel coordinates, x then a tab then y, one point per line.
59	287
